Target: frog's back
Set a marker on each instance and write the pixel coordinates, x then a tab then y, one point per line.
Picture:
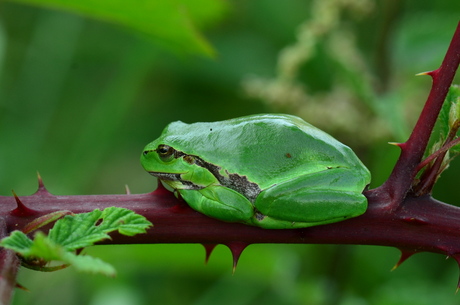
265	148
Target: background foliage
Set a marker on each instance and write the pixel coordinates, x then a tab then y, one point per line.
82	93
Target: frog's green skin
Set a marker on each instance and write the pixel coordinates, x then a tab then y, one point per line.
271	170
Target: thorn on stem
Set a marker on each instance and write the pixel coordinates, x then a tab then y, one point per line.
19	286
128	191
21	210
236	248
40	181
423	73
405	254
430	73
457	259
400	145
41	186
208	248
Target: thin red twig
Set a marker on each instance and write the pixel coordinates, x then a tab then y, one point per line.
405	170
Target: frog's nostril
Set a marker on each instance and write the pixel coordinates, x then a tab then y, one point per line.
146	152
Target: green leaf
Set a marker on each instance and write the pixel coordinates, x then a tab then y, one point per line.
173	23
44	248
446	118
83	230
453	98
17	241
75	232
89	264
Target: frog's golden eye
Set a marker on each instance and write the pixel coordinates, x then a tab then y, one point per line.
165	152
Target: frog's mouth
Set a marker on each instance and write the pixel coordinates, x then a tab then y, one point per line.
166	176
175	181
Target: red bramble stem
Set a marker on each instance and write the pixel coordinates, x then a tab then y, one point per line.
424	224
9	266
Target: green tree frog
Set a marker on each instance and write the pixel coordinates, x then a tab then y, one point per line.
273	171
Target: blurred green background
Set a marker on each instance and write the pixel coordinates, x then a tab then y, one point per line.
81	94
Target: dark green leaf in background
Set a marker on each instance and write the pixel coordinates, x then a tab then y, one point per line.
173	23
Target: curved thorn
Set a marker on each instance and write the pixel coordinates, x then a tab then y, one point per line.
21	210
405	254
208	248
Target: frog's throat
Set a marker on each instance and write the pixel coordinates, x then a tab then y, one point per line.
236	182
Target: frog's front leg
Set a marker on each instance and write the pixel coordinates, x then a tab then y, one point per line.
219	202
313	199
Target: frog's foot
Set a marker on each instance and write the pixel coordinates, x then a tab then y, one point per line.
219	202
307	208
310	200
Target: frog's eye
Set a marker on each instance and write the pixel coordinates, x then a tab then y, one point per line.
165	152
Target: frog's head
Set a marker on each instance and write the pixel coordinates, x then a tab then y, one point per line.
174	166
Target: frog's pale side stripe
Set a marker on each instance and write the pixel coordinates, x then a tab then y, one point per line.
236	182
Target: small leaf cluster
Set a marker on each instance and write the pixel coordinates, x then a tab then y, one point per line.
445	146
448	125
449	118
70	235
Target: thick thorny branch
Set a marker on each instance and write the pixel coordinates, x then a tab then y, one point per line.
422	224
